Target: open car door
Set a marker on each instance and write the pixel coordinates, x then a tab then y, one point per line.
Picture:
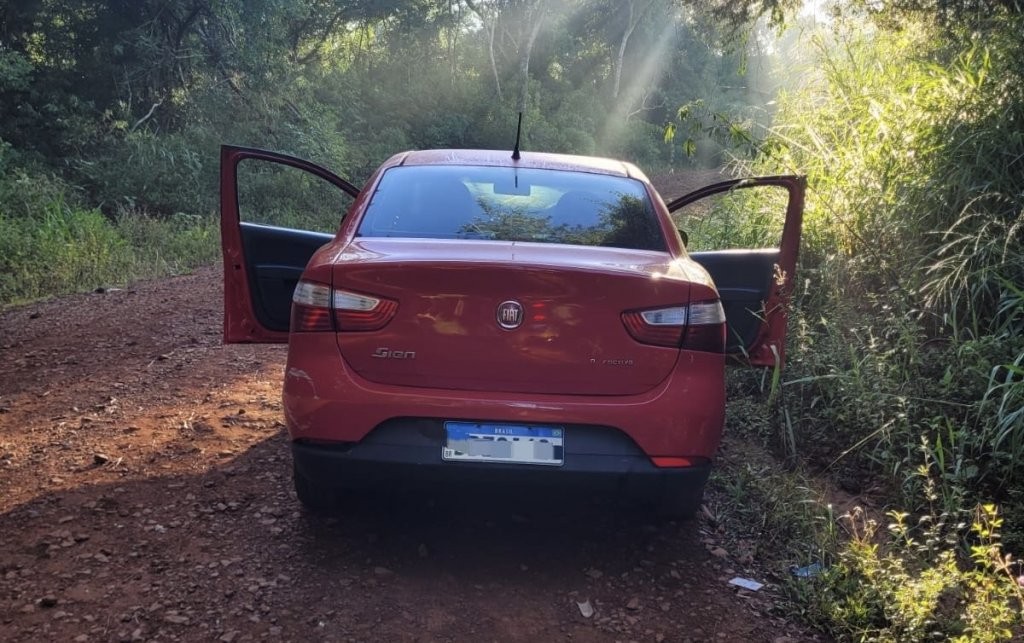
263	263
756	284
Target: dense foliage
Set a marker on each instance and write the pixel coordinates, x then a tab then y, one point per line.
121	105
130	99
906	374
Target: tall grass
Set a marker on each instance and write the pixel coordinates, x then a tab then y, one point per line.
905	378
50	245
59	249
911	308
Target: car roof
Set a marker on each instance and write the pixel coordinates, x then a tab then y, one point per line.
533	160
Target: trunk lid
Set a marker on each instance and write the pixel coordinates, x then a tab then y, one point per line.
446	332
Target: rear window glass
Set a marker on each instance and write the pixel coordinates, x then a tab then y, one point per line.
509	204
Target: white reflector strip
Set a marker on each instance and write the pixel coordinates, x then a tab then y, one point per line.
308	293
665	316
706	313
351	301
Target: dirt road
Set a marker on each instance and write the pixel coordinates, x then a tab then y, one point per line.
145	494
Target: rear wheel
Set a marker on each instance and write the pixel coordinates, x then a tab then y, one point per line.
316	499
679	504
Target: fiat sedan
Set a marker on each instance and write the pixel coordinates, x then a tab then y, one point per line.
480	318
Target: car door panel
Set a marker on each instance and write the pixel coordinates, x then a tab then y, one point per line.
281	255
755	286
743	280
263	263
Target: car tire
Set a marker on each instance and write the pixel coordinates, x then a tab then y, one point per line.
675	504
314	499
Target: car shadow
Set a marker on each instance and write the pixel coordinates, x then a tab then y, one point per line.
473	524
487	530
230	544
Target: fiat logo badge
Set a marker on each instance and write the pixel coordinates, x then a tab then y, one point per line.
510	315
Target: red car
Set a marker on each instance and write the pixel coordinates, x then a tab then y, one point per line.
480	318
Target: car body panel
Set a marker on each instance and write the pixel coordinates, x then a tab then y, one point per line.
325	400
531	160
445	334
755	300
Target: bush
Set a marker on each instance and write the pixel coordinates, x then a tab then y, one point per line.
909	318
170	245
906	339
162	174
906	584
49	245
58	250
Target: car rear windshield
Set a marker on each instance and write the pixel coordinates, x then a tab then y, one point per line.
511	204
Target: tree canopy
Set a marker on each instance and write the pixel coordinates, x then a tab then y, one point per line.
90	85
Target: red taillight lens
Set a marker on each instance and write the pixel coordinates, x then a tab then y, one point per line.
317	308
311	308
357	312
699	326
705	328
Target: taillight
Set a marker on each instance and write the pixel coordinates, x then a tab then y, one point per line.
311	307
699	326
355	312
318	308
661	326
705	329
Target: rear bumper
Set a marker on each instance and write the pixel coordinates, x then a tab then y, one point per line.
408	453
326	401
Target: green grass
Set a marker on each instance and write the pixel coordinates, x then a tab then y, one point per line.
905	373
940	574
60	248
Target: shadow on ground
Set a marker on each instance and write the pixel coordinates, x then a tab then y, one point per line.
227	552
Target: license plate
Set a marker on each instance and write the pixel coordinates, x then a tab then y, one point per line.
511	443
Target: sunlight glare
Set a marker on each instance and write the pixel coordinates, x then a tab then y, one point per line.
635	85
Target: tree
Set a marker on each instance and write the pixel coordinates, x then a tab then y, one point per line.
634	10
520	23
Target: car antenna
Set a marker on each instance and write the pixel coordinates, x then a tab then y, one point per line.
519	130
